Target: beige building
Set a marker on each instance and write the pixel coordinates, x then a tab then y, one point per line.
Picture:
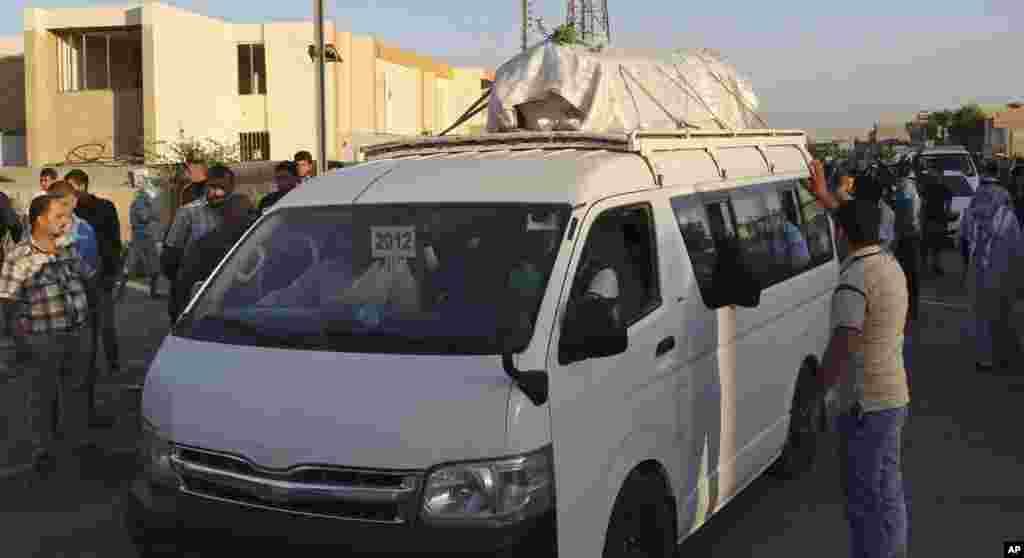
125	80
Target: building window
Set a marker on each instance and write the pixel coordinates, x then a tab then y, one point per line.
97	61
254	146
84	62
252	70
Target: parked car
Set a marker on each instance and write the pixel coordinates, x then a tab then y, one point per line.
956	168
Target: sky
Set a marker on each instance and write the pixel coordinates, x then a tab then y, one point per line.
814	65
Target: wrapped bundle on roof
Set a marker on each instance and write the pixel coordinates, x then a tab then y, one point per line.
572	88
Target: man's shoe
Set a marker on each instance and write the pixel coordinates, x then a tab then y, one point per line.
984	366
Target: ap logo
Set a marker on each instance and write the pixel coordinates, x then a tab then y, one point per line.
1013	549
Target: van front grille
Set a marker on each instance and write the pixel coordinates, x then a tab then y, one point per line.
315	491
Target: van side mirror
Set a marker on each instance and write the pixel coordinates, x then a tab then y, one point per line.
734	282
592	329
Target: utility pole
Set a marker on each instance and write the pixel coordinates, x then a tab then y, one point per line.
321	93
526	21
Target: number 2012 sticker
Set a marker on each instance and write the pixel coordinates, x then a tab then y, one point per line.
393	242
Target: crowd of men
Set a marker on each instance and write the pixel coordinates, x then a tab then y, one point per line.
61	262
63	266
60	274
890	221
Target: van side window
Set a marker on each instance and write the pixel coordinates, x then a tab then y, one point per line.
623	240
798	250
703	229
815	226
759	238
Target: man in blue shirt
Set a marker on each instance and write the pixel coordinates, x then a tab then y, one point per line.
81	233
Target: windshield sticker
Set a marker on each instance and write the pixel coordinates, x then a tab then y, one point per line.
393	242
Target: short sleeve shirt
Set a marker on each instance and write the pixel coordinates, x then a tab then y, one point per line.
871	299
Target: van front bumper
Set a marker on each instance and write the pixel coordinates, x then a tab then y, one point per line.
171	516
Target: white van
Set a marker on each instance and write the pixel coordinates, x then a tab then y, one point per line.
957	170
566	339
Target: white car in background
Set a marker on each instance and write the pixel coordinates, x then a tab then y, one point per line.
958	171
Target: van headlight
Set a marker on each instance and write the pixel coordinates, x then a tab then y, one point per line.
501	491
155	456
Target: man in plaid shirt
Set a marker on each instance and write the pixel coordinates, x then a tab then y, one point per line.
191	223
43	294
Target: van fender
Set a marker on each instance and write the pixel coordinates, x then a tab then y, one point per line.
662	452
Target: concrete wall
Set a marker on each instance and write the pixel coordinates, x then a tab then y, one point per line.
12	92
291	90
41	89
464	91
192	84
81	117
403	99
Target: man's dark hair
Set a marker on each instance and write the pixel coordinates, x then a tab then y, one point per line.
79	176
303	156
40	206
48	172
220	172
868	187
860	220
193	161
992	168
62	188
287	166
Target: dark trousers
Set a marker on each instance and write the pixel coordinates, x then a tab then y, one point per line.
908	253
931	248
872	479
104	327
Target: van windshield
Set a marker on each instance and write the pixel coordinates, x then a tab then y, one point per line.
412	279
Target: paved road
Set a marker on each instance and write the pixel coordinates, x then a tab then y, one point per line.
962	456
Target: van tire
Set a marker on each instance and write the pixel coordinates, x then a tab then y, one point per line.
643	520
807	418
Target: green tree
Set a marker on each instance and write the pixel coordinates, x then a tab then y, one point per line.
168	158
968	125
941	121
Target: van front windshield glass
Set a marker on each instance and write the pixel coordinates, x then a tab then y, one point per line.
414	279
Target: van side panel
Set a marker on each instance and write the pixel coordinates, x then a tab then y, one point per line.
610	414
742	365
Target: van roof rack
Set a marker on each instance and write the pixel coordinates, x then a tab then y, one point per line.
631	142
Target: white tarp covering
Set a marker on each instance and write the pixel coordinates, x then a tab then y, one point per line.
571	88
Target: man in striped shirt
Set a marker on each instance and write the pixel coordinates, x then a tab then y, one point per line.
864	359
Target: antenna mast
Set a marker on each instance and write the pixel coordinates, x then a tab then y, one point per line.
590	17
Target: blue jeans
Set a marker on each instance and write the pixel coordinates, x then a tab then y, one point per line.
872	480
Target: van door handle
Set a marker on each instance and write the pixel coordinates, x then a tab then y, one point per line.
666	345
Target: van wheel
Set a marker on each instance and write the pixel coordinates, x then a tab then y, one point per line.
643	522
806	423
